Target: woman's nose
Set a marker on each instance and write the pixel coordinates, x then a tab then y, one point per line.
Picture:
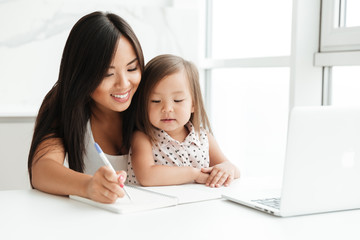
122	81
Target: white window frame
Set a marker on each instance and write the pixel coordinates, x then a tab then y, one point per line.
306	80
208	63
334	35
313	53
339	45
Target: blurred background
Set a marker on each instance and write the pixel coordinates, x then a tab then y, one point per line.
257	59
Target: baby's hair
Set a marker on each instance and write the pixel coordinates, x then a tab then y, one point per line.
156	70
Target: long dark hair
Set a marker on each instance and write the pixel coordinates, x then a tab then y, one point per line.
157	69
66	108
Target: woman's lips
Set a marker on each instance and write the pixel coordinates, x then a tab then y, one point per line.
121	97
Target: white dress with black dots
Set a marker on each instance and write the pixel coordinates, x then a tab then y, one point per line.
193	151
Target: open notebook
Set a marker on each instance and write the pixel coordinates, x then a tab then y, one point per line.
146	198
141	200
188	193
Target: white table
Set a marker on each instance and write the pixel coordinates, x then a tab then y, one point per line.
31	214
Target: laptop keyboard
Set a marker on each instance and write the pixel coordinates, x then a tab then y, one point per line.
271	202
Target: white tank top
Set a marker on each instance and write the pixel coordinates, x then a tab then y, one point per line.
92	160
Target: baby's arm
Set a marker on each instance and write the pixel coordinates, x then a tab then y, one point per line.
149	174
221	170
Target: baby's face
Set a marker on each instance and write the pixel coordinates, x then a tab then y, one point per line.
171	105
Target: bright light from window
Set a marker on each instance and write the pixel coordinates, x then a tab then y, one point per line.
352	13
345	86
256	28
249	117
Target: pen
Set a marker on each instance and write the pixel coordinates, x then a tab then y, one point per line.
108	164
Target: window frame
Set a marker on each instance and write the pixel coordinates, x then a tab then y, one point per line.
208	63
305	79
339	45
334	36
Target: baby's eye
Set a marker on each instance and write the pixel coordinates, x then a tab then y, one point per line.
155	101
179	100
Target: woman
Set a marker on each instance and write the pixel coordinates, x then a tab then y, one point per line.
99	74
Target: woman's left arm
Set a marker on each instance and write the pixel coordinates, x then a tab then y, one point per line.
222	171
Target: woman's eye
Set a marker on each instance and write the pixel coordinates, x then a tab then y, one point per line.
108	74
132	69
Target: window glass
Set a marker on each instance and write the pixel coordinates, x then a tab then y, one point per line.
345	85
249	109
340	25
352	13
257	28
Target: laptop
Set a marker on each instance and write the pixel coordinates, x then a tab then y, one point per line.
322	164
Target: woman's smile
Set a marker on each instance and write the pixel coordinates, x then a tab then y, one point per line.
121	97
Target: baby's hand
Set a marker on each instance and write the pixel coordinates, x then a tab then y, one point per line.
202	177
220	174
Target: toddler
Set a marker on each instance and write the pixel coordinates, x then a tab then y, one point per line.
174	143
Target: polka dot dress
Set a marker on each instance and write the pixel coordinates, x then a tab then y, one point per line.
193	151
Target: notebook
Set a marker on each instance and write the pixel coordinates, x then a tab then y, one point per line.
141	200
322	164
146	198
188	193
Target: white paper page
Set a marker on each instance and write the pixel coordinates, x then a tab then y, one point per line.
141	200
187	193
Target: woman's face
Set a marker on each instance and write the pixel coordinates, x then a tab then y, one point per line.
121	80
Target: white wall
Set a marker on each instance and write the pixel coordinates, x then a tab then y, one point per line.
15	138
34	34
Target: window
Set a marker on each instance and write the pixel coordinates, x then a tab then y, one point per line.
340	30
250	110
244	29
352	17
345	89
340	52
247	81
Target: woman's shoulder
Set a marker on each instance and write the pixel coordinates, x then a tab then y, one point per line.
51	147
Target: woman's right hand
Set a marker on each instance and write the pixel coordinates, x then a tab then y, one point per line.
106	186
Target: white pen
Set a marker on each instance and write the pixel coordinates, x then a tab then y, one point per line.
108	164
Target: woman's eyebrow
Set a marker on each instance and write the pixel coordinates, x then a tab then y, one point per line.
132	61
135	59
